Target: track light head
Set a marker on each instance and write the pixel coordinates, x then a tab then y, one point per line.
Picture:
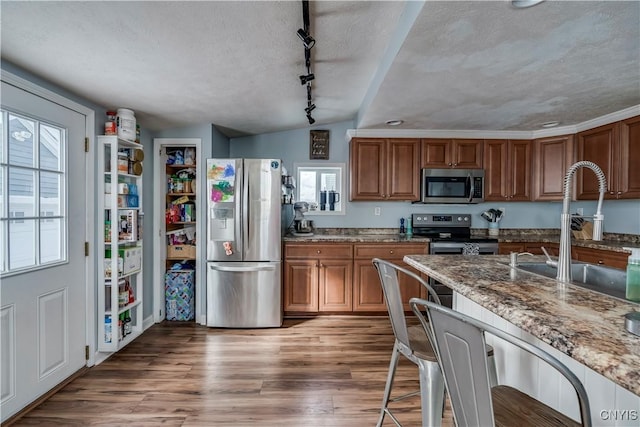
306	79
310	108
311	120
307	40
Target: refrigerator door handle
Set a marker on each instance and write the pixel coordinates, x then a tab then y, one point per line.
245	214
243	269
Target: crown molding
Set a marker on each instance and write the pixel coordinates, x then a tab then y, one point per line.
494	134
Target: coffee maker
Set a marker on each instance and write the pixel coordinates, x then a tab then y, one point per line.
302	226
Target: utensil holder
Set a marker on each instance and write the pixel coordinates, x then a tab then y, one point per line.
494	229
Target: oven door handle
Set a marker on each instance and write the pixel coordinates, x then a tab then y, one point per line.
471	187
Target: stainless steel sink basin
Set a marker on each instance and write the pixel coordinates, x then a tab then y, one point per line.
606	280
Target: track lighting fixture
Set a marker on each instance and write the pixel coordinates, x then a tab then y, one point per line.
307	40
306	79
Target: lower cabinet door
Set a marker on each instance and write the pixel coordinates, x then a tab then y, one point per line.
335	285
301	286
367	290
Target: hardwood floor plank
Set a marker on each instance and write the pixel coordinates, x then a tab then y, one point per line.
326	371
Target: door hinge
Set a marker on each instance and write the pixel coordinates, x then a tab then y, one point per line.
86	352
86	248
86	144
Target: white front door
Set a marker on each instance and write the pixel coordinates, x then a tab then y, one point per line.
43	227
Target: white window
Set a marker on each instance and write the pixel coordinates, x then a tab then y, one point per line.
32	193
322	186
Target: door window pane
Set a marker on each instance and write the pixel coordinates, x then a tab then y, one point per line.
51	240
21	147
22	191
33	223
22	243
50	194
50	147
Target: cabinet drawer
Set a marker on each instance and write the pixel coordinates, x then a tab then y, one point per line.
388	250
298	250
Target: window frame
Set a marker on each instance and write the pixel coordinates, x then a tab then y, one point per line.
318	167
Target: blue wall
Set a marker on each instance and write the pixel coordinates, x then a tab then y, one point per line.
293	147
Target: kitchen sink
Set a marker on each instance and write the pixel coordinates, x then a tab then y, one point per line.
606	280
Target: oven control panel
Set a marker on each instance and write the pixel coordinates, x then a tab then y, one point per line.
441	220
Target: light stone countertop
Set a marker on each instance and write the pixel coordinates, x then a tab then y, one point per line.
585	325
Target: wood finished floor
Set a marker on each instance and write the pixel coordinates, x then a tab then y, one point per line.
327	371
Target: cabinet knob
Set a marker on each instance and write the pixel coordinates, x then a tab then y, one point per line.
318	251
321	265
450	164
600	262
619	192
455	164
391	251
611	192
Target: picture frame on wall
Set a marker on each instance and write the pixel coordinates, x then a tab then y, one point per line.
319	145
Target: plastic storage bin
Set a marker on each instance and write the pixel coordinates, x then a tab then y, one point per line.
180	295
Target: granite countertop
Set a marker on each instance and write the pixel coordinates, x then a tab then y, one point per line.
585	325
612	242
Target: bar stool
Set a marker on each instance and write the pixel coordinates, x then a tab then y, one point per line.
412	343
459	341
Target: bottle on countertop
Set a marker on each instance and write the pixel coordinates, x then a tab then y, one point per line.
409	228
402	229
633	275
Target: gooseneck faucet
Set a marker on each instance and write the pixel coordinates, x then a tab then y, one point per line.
564	256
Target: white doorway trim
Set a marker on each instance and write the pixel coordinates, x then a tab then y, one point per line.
90	331
159	227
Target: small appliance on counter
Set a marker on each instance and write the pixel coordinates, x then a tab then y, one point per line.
302	226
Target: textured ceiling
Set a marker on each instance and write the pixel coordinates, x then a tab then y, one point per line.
436	65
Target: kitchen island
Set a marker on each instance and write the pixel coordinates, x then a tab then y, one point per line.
579	325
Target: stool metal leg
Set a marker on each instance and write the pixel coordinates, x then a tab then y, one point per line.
431	393
387	389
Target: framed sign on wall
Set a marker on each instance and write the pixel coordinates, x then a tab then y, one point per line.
319	145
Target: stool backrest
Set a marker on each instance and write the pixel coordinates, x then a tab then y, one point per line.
459	344
388	273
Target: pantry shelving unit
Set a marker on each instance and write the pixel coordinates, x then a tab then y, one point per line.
120	282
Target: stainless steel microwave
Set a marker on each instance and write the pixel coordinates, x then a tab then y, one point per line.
452	186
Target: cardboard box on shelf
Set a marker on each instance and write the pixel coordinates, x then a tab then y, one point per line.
181	251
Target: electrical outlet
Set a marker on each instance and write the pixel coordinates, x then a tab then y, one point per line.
580	211
376	211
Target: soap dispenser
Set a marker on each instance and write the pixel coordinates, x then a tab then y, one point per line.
633	275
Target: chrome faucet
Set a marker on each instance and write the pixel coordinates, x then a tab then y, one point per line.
564	256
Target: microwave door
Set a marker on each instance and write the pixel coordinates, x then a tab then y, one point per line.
471	186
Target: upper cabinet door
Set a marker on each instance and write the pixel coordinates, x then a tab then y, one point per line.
495	169
519	184
467	153
551	158
367	169
435	153
629	158
599	146
403	169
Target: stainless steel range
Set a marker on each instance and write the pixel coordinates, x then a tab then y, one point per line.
450	234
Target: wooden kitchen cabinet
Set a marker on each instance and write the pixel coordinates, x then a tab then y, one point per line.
367	290
318	277
451	153
602	257
505	248
507	166
384	169
616	149
552	157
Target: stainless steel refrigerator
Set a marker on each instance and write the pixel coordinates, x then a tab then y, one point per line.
244	284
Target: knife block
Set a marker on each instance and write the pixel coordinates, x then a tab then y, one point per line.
586	233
